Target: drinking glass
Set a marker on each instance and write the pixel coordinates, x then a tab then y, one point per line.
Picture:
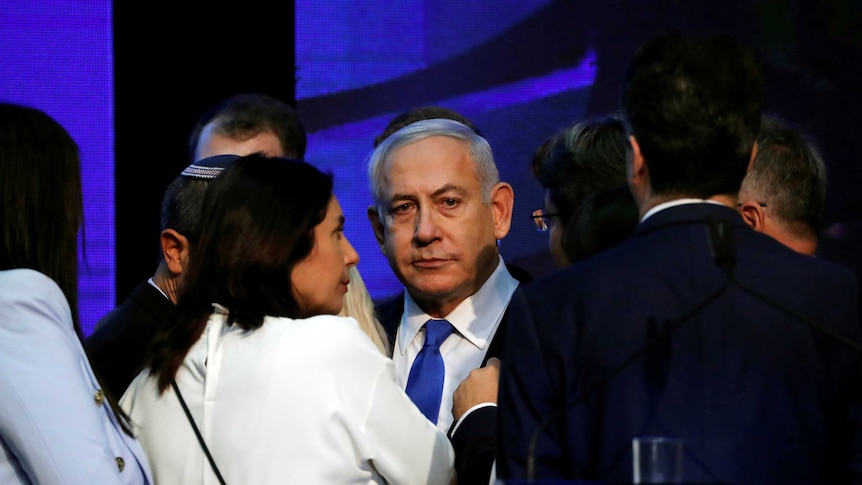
656	459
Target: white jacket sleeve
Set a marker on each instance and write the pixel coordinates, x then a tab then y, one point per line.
412	449
405	447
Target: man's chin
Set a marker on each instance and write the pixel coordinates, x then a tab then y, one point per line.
436	289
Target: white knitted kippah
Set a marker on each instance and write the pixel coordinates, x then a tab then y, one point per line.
208	168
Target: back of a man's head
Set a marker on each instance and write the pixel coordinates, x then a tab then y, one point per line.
693	106
183	197
788	178
422	113
246	115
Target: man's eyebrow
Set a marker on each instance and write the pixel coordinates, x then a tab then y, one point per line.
448	188
409	197
442	190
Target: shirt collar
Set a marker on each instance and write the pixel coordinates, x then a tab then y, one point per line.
152	283
676	202
474	318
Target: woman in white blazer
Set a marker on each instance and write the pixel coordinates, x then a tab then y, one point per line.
57	426
280	388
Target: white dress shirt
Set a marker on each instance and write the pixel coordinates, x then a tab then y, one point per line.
294	401
475	320
56	426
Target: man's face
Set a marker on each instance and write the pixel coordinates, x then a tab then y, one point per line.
439	238
211	143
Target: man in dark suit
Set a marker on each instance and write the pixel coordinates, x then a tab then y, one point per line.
118	344
697	327
438	211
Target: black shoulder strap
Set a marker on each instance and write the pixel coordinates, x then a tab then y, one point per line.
197	432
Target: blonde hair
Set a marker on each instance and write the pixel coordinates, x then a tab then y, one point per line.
358	304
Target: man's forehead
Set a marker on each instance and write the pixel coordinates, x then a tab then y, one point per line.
218	143
434	182
451	152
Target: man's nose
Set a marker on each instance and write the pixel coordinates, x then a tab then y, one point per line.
427	228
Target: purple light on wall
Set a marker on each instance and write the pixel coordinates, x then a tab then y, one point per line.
58	56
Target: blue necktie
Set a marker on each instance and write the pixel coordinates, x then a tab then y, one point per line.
425	383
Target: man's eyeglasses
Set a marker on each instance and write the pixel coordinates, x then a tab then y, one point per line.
542	219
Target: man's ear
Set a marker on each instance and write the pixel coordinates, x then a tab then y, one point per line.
639	169
754	215
502	203
175	250
753	156
377	226
638	172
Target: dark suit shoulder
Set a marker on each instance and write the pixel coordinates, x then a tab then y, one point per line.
389	312
145	307
522	275
117	346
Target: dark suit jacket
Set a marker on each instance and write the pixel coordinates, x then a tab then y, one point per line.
475	441
756	393
116	348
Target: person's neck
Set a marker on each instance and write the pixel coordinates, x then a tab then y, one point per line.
801	239
436	308
166	282
804	246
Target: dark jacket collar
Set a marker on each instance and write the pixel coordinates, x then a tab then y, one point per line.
696	213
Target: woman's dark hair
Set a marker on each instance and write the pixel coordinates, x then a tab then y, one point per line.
257	223
41	203
602	221
42	206
581	159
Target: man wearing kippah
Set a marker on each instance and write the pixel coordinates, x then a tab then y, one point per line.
118	343
239	125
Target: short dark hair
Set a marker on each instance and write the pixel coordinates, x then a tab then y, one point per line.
693	105
257	223
788	174
245	115
183	198
422	113
581	159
